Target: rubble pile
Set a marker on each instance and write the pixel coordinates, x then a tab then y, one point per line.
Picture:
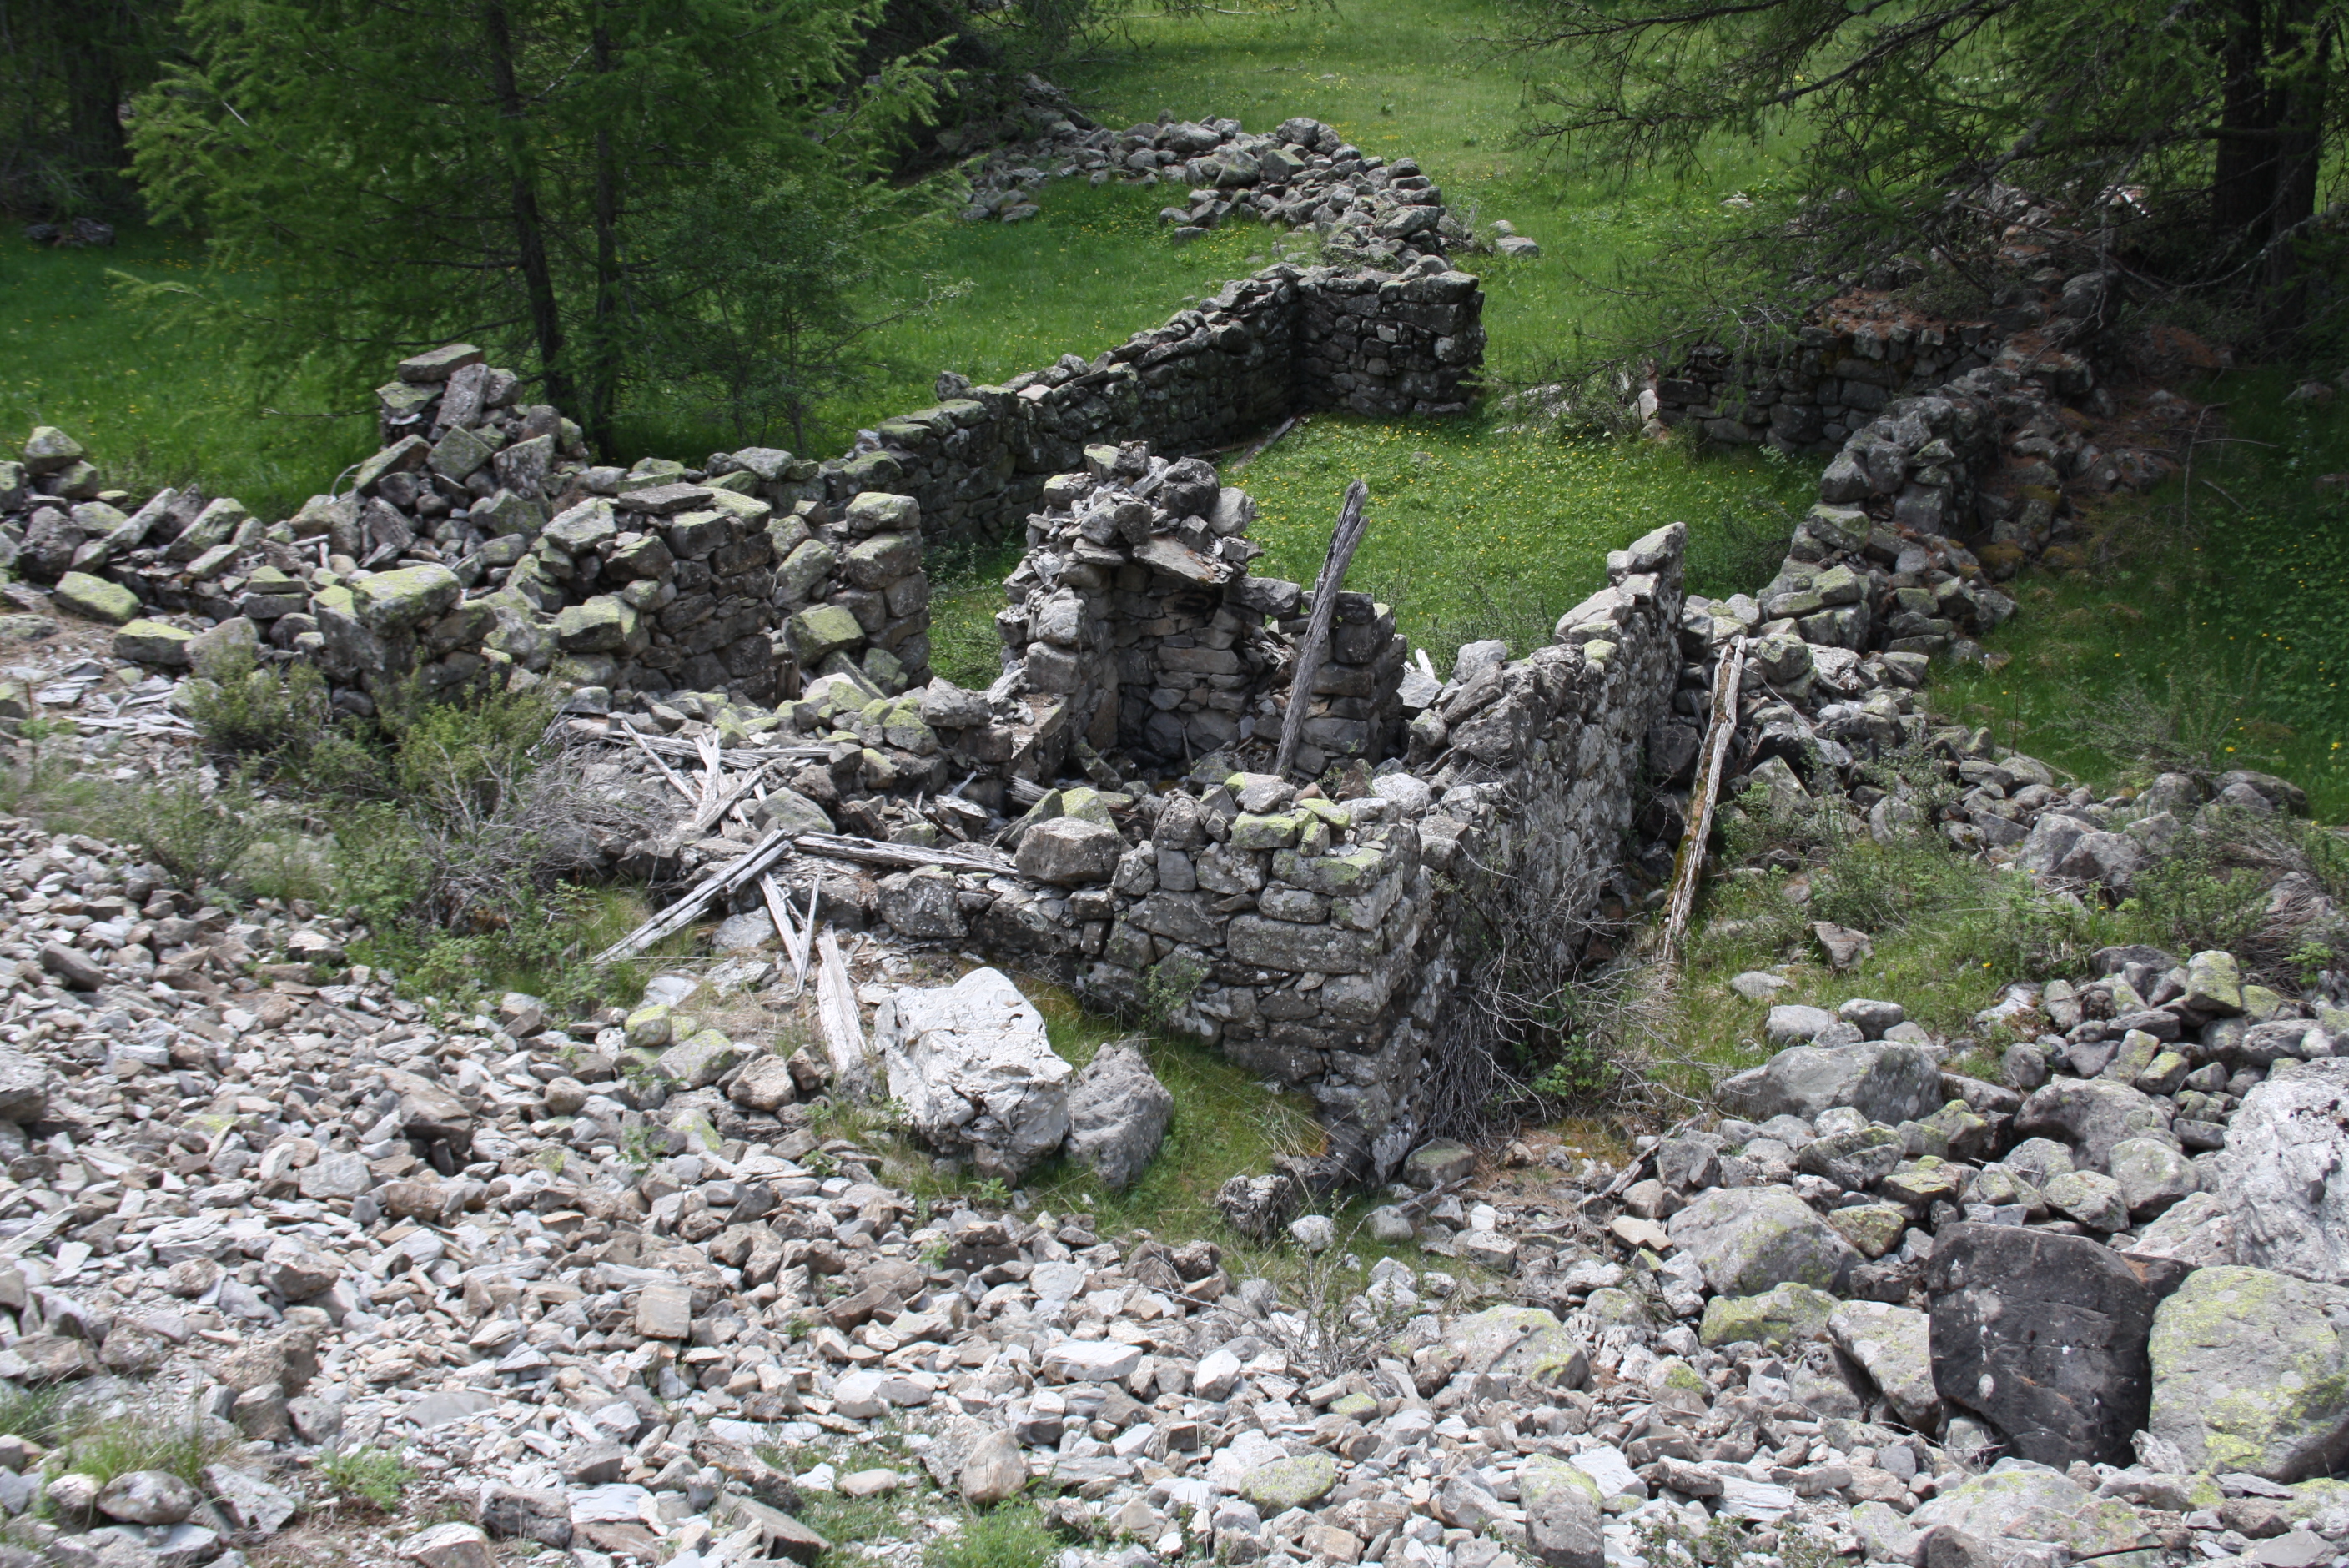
604	1289
1302	175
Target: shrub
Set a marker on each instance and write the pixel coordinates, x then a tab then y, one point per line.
367	1475
2019	930
197	835
281	726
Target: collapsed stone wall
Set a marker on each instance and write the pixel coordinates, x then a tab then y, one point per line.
483	540
1865	350
1313	933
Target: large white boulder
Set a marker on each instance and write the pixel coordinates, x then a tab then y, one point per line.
2286	1171
972	1066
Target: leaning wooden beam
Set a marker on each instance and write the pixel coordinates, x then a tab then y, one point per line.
842	1024
1688	869
794	940
679	785
678	915
711	809
872	853
612	733
1342	542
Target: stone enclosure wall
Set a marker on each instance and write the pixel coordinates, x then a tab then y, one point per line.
1284	341
1314	932
1865	351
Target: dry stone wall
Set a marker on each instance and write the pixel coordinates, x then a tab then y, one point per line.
483	541
1310	932
1314	931
1284	341
1865	350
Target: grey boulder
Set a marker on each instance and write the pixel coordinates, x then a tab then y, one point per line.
2199	1229
2024	1502
1118	1114
2285	1169
1748	1239
1069	851
1894	1346
2044	1336
25	1084
1563	1521
977	1074
2091	1114
1885	1082
2249	1373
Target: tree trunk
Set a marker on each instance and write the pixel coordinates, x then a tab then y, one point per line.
2242	179
603	398
2270	144
529	227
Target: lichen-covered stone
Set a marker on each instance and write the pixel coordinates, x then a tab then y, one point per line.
1782	1316
1747	1240
393	600
96	599
152	643
2249	1373
1295	1482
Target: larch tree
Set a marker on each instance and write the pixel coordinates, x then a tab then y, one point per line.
408	171
2198	140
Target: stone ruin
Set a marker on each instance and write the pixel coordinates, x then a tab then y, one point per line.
1105	811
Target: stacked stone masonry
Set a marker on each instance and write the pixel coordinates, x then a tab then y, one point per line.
1284	341
1310	930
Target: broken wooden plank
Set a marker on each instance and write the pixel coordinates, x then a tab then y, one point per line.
906	857
794	940
842	1024
707	814
1689	868
679	785
678	915
1343	540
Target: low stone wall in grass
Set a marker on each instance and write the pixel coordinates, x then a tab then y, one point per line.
1285	341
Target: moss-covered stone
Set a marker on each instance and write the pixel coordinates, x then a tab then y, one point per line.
1782	1316
1284	1484
1873	1229
2249	1373
96	599
821	630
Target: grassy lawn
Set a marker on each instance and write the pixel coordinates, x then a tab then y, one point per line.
2217	601
156	402
1475	532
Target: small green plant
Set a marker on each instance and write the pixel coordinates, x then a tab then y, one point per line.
1168	988
197	835
643	1148
367	1475
1011	1535
143	1438
992	1193
281	726
39	1414
49	780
